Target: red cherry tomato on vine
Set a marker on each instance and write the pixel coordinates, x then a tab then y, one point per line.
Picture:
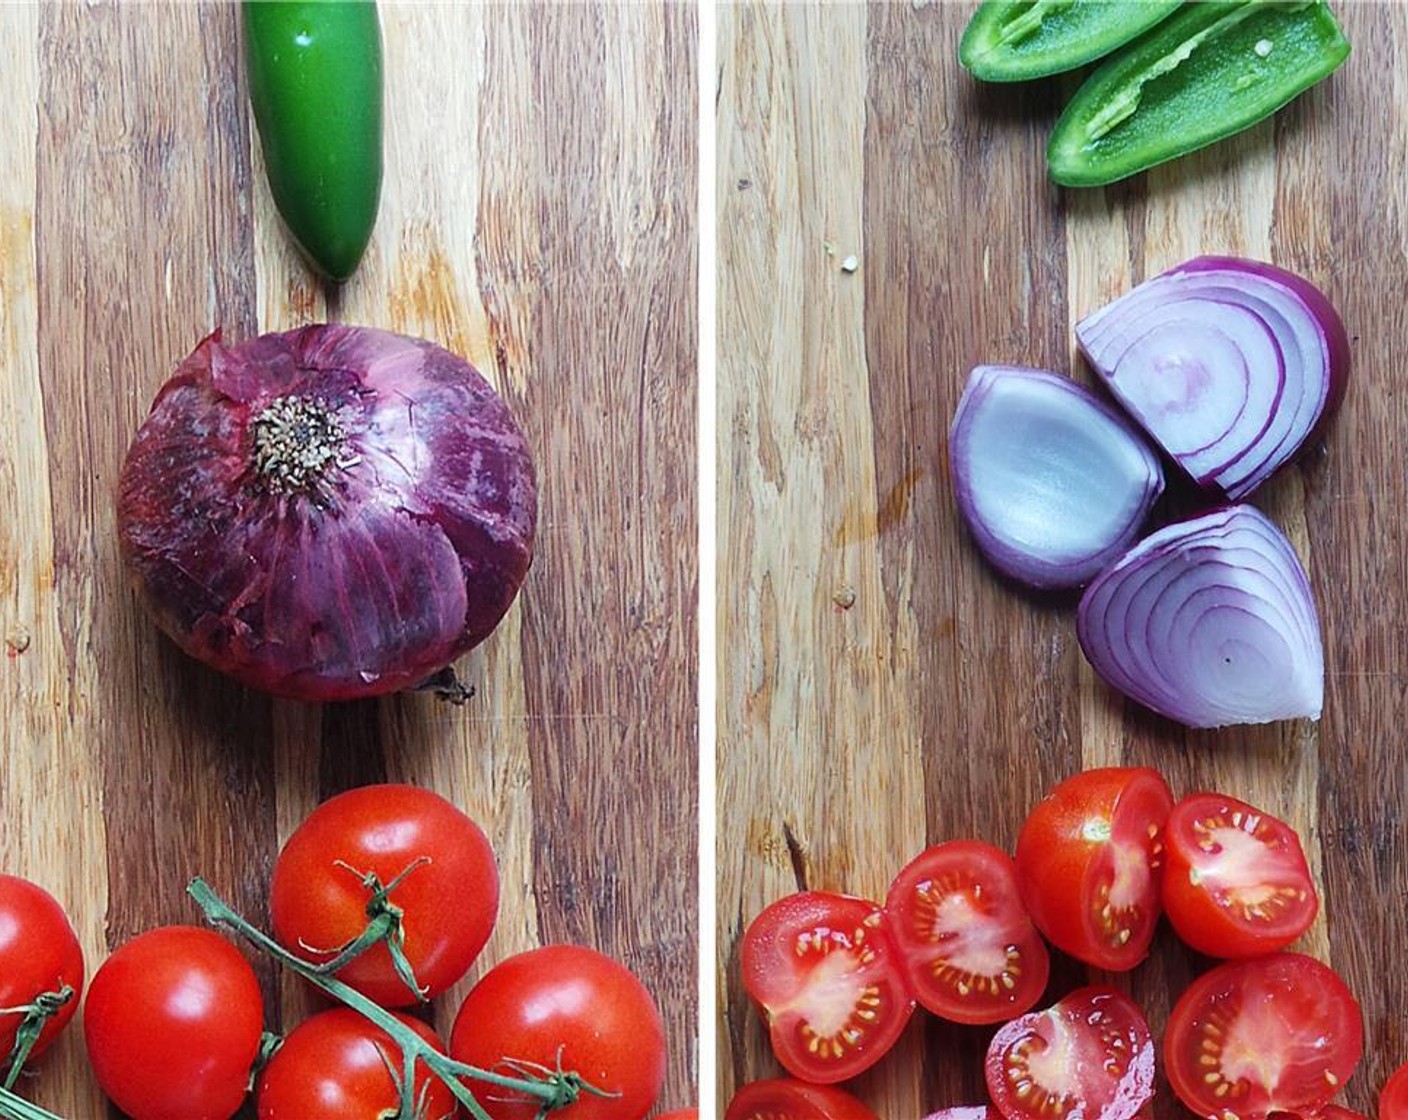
1235	883
446	886
1393	1098
173	1021
1091	1052
1273	1034
567	1006
827	976
334	1066
969	949
784	1098
39	953
1089	859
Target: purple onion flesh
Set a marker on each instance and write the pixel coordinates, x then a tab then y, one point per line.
1052	482
1230	365
329	513
1209	622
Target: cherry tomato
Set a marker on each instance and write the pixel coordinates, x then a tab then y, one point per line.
1393	1097
173	1022
334	1066
446	886
1272	1034
1089	859
783	1098
970	952
567	1006
827	976
39	953
1235	883
1090	1052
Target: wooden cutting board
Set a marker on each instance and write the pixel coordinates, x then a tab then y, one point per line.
539	217
878	688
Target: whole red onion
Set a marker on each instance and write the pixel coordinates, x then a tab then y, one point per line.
329	513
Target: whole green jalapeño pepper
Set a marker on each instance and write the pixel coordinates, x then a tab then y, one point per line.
315	84
1214	69
1016	40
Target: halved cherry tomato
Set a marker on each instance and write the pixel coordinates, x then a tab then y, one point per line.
1393	1098
969	949
1235	883
1089	860
39	954
826	975
173	1022
446	887
563	1007
1272	1034
1089	1052
783	1098
338	1064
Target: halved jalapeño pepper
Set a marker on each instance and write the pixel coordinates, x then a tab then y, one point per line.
1016	40
1215	68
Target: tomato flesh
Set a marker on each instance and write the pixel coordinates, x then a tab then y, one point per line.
971	953
825	973
1089	864
1236	882
1089	1054
1272	1034
783	1098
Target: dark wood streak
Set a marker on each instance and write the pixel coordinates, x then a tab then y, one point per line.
595	314
141	253
1346	226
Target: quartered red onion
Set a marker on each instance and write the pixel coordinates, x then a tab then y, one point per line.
1209	622
1230	366
1052	482
330	513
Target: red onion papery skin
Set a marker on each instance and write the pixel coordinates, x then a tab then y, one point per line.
1209	622
1213	324
361	577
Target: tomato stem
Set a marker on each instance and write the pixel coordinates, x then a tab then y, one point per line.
15	1107
36	1014
557	1089
384	926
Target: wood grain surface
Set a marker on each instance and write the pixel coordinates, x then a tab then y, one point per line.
879	689
538	216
